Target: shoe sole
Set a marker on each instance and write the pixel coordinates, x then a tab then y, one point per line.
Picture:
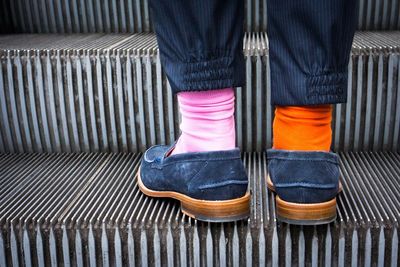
304	214
205	210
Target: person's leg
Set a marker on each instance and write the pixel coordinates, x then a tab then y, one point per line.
306	128
208	122
200	44
309	48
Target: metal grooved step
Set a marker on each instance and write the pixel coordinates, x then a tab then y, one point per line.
62	93
86	209
119	16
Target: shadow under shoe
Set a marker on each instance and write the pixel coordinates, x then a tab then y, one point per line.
211	186
306	184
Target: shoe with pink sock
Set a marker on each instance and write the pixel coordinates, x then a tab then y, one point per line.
203	168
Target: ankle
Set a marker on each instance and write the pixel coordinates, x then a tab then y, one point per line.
306	128
207	121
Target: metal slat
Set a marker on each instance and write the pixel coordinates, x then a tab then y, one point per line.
42	102
13	105
396	132
62	108
51	103
81	106
121	104
5	123
71	104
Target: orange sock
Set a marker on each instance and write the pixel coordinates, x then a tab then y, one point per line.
303	128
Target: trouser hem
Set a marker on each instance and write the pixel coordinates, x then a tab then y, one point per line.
217	73
328	88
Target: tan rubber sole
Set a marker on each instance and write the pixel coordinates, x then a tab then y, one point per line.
304	214
205	210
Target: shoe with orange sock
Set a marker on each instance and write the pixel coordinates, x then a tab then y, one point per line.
302	170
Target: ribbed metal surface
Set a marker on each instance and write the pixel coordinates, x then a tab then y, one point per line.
372	15
86	209
74	16
109	93
120	16
370	119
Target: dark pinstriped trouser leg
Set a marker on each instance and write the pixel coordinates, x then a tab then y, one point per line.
310	42
200	45
200	42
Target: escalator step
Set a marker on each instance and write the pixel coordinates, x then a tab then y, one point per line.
98	92
81	209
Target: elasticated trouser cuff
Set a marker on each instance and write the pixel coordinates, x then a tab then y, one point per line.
309	50
200	43
213	73
310	89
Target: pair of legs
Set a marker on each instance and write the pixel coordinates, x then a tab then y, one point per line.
201	49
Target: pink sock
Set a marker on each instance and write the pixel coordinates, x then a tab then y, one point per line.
208	122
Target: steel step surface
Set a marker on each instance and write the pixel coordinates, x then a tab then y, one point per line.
99	92
122	16
86	209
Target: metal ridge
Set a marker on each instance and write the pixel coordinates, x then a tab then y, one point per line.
145	43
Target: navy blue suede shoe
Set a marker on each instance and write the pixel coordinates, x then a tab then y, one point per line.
306	184
211	186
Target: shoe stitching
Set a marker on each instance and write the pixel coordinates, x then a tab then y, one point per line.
197	160
307	185
278	152
194	176
302	159
220	184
